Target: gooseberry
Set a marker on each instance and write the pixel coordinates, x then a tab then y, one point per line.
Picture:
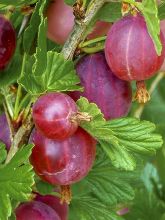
7	41
52	115
130	51
63	162
112	95
61	21
35	211
54	203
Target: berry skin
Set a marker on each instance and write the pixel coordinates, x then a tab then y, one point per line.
63	162
52	115
35	211
162	27
5	131
54	203
130	51
112	95
61	21
7	41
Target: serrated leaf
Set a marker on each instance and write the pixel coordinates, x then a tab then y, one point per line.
122	138
16	180
3	152
32	29
150	11
58	76
50	71
109	184
120	157
88	208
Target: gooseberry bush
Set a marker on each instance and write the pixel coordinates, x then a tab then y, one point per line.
77	141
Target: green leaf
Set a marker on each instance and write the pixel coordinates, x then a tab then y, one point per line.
122	138
120	157
16	180
131	136
44	188
58	76
16	3
110	185
85	207
149	175
110	12
70	2
146	207
3	152
50	71
161	11
32	29
150	11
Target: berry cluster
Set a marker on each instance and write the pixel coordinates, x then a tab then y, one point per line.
63	152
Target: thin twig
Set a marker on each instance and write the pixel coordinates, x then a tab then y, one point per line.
20	137
154	84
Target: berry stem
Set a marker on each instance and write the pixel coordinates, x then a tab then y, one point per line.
66	194
81	116
91	50
154	84
142	95
93	41
20	137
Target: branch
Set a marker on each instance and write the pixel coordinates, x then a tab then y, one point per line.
20	137
154	84
80	28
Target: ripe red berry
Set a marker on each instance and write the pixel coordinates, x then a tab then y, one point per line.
54	203
112	95
7	41
63	162
61	22
130	51
52	115
5	131
35	211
